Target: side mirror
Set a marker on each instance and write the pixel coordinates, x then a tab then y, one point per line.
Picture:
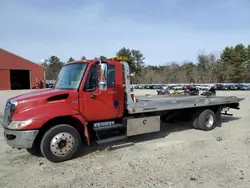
102	78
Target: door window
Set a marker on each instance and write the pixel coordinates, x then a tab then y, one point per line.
111	76
91	82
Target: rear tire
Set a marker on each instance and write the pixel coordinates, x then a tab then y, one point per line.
60	143
195	123
206	120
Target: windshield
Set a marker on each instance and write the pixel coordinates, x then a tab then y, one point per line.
70	76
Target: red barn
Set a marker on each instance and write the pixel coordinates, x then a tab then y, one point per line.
18	73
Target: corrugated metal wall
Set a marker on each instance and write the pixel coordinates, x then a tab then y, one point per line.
4	79
11	61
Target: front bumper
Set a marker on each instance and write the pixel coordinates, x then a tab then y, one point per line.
20	139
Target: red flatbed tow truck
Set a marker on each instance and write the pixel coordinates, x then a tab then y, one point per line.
92	99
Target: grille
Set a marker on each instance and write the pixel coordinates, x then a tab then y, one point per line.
8	112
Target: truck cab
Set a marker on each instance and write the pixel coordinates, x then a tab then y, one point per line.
95	103
85	91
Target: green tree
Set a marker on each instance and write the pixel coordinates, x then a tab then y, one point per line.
247	64
239	63
103	58
127	53
203	67
248	52
227	59
234	62
189	69
71	59
83	58
220	71
55	66
135	60
138	60
212	63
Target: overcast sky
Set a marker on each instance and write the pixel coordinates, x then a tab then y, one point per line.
164	30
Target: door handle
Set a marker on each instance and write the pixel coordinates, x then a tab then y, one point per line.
92	95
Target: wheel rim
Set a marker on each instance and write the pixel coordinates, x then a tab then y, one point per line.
62	144
209	120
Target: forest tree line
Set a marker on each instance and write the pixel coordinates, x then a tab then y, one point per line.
232	66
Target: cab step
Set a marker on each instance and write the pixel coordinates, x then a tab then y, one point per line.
111	139
108	127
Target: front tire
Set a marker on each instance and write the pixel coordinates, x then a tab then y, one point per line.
34	151
60	143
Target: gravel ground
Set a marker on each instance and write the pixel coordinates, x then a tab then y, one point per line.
178	156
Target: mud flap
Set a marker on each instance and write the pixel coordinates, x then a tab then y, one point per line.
218	116
86	131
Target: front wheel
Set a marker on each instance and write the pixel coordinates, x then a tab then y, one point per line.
34	151
60	143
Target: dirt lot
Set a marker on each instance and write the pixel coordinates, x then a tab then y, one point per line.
178	156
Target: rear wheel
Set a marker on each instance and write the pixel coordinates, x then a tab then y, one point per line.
195	123
206	120
60	143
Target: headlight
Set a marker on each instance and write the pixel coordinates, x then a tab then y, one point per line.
9	111
19	124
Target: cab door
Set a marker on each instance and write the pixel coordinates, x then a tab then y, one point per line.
96	105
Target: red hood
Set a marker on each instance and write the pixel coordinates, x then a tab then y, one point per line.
39	97
38	94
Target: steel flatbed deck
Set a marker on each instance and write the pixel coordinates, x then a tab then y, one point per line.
166	103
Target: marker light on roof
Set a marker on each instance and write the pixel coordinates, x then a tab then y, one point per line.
119	58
